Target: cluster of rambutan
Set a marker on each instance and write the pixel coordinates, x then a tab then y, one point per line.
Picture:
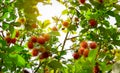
39	49
84	49
10	40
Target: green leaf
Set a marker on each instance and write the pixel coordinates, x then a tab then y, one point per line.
6	15
16	48
5	26
72	27
13	57
64	12
12	17
111	13
17	24
116	42
71	68
110	47
83	23
87	5
83	8
20	61
117	6
11	28
105	67
40	23
83	65
92	55
46	23
117	17
64	70
55	64
84	30
93	35
3	45
55	33
17	59
92	2
63	53
106	23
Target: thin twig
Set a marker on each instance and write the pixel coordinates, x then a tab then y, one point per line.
59	45
59	19
22	41
72	37
40	64
2	34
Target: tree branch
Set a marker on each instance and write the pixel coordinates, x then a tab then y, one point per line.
54	70
65	40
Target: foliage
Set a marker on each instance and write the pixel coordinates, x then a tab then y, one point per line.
18	22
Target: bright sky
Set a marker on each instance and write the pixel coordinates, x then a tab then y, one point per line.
48	11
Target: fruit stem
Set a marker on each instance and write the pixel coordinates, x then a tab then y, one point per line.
2	34
40	64
65	40
22	41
